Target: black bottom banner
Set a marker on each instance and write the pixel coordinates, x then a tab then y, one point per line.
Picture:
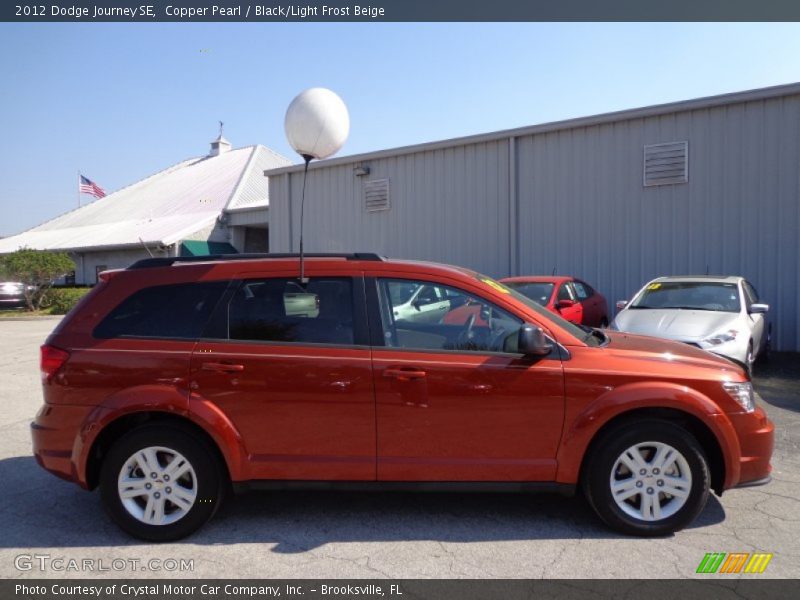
710	588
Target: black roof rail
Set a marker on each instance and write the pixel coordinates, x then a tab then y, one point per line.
149	263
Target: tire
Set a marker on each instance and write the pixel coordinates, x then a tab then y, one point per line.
750	359
604	323
197	491
764	355
606	465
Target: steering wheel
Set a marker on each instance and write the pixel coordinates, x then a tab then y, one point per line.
465	337
469	326
495	338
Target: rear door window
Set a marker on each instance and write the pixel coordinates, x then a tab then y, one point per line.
281	310
178	311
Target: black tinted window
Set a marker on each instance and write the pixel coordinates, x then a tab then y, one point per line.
165	311
281	310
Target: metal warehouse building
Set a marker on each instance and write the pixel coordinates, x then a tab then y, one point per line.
707	185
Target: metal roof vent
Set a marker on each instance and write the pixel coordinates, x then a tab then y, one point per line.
666	163
376	195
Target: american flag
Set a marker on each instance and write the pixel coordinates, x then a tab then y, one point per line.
90	187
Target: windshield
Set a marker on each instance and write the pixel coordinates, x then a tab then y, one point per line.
584	334
538	291
689	295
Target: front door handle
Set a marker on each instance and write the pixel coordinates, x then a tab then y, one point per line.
222	367
404	374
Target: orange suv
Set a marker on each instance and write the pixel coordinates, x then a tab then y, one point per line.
179	378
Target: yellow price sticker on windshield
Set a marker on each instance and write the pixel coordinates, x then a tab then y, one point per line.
497	286
653	286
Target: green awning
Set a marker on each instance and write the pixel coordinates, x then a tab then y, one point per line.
200	248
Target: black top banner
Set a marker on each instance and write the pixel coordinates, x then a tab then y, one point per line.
401	10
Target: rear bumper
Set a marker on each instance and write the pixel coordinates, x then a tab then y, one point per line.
53	432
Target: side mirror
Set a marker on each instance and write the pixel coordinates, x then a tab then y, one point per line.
759	308
531	341
416	304
622	304
565	303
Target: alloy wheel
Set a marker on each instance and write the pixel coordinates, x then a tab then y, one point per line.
157	485
650	481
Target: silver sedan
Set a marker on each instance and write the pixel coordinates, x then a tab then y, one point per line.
719	314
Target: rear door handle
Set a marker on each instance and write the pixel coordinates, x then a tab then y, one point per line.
404	374
222	367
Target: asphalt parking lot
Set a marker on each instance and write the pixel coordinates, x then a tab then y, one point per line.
343	535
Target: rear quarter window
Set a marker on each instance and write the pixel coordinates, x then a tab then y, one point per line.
178	311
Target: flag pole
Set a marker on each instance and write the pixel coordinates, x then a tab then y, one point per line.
79	188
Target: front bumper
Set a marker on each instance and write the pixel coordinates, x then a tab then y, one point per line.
756	435
755	483
54	431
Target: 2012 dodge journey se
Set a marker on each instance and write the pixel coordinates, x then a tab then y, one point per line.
177	379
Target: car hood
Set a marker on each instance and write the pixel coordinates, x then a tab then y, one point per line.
658	350
673	323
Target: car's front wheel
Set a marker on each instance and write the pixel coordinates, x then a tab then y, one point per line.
161	483
647	478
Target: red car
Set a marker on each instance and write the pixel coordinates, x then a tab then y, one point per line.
179	378
573	299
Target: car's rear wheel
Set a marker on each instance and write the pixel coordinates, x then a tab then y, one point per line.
161	483
647	478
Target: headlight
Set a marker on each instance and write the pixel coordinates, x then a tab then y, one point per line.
721	338
742	393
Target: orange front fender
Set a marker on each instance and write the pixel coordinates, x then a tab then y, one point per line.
642	395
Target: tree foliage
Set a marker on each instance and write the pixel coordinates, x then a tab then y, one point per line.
38	270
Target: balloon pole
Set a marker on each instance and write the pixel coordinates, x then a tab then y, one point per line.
303	278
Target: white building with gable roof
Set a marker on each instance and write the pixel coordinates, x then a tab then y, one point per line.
214	204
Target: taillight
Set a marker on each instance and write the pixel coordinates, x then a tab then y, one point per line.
52	359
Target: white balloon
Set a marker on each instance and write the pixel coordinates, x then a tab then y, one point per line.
317	123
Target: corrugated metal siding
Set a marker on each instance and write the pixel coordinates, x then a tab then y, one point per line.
585	212
254	216
460	193
582	205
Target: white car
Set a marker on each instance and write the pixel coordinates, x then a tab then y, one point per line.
720	314
419	303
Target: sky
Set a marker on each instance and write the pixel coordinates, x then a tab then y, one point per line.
120	102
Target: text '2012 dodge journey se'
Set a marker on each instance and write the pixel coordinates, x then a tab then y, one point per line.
175	378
